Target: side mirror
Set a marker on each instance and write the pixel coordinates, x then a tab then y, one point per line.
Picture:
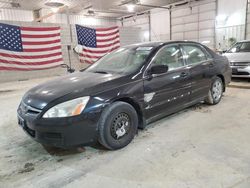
158	69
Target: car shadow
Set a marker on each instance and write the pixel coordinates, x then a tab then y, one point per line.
200	107
54	151
240	83
244	80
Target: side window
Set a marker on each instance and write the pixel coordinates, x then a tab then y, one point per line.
193	54
170	56
240	47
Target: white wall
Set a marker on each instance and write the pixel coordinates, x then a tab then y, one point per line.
16	15
160	25
80	19
141	22
248	21
230	22
76	19
231	12
195	21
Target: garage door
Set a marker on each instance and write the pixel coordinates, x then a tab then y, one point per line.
195	21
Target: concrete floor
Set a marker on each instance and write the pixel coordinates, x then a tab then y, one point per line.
203	146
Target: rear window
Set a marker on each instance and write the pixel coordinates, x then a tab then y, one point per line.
240	47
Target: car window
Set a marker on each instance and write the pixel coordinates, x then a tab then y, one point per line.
193	54
170	56
240	47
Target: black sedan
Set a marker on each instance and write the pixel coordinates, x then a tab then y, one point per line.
123	91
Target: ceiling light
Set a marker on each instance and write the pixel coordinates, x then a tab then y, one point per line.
54	6
131	7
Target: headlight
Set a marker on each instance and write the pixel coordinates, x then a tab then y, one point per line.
70	108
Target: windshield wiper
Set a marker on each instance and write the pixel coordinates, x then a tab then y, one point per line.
101	72
82	70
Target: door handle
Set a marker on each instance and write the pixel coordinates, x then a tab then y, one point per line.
183	74
211	64
208	64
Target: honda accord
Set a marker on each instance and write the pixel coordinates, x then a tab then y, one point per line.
123	91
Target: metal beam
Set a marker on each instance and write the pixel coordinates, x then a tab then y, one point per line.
61	9
152	6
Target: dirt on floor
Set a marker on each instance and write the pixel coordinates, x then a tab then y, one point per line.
202	146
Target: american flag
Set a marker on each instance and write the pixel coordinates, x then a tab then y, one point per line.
29	48
97	42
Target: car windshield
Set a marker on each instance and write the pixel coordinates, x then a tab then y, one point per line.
240	47
121	61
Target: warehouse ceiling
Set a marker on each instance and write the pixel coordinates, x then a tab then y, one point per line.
109	8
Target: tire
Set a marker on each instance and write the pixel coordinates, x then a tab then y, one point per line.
117	125
215	92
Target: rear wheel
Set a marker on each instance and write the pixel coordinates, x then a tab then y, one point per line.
118	125
216	91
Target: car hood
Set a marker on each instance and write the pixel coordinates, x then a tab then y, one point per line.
238	57
86	83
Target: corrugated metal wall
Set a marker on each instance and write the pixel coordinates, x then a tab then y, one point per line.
160	24
16	15
230	23
27	16
195	21
76	19
80	19
223	34
140	21
248	20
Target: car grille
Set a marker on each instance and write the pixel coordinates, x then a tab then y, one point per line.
243	73
26	109
240	64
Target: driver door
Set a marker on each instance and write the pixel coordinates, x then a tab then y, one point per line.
168	92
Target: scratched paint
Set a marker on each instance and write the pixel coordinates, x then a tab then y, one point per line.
148	97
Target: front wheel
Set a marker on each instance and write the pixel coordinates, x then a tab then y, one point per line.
117	125
216	91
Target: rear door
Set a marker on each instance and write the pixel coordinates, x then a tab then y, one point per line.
165	93
200	64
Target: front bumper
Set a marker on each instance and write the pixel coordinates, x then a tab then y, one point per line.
61	132
241	71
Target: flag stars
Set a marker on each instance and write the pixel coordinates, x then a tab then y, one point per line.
86	36
10	38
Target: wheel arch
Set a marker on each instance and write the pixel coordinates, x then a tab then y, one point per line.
136	106
223	81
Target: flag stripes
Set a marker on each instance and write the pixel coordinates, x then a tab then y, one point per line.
98	43
40	48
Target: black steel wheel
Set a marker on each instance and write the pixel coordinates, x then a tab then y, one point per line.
118	125
121	126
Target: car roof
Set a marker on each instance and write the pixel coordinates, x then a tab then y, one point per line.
243	41
156	44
